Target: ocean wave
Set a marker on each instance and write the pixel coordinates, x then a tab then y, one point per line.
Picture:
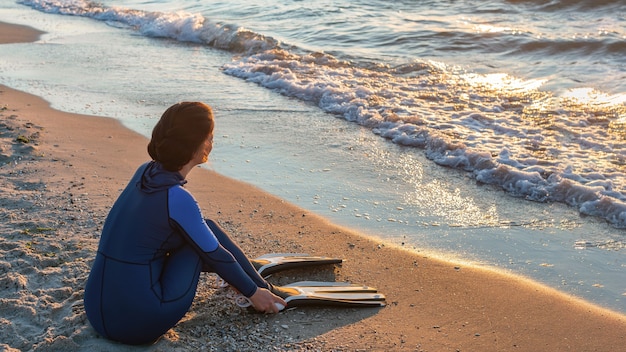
502	130
181	26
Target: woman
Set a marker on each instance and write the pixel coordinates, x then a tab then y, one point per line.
155	242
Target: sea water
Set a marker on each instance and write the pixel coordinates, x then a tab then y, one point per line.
488	131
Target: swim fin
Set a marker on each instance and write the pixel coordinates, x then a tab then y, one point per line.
270	263
274	262
316	293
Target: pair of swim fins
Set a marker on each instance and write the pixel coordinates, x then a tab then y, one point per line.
313	293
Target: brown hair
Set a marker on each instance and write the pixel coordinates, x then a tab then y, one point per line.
179	133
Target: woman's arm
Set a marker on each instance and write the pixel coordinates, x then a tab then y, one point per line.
186	216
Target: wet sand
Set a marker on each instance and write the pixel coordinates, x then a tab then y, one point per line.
61	173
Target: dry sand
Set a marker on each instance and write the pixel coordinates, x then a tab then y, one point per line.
61	172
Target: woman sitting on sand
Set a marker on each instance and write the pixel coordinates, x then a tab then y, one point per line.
155	242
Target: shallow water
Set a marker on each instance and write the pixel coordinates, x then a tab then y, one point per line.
289	141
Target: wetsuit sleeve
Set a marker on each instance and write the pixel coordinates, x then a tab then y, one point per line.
186	215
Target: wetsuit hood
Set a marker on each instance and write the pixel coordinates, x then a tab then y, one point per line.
156	178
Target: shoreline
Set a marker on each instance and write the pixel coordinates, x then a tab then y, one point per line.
60	184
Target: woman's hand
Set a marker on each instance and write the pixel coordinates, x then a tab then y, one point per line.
265	301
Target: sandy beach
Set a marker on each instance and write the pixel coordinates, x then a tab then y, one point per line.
61	172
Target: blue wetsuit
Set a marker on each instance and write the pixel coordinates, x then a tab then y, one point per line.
154	245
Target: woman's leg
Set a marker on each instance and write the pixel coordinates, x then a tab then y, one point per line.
234	249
